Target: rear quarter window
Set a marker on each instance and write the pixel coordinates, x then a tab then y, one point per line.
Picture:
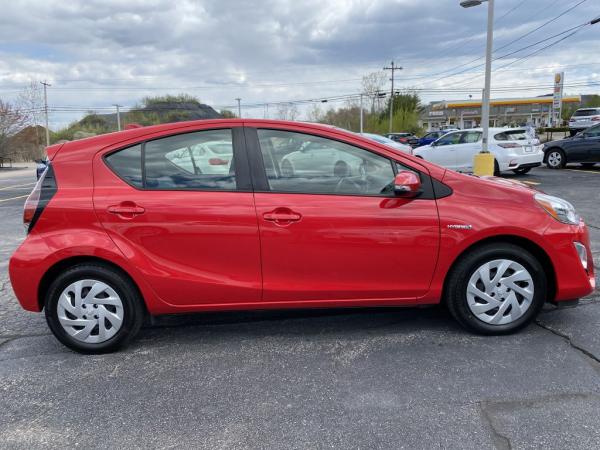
127	164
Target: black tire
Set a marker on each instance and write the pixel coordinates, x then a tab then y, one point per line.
133	310
496	169
555	159
522	171
458	279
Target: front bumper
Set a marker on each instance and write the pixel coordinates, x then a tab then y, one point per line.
572	280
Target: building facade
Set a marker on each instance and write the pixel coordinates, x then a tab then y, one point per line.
536	111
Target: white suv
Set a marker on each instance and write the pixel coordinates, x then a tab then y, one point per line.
584	118
513	148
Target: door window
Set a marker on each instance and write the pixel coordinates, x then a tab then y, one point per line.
470	137
202	160
592	132
449	139
302	163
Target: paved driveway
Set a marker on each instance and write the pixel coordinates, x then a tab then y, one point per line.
381	378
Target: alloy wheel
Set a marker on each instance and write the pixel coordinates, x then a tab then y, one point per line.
90	311
500	292
554	159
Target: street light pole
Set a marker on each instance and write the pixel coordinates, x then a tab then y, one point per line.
484	165
488	77
239	100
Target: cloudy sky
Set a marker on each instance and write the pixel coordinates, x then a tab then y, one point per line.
96	53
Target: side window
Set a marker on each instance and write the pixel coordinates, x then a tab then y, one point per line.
302	163
593	131
202	160
127	164
449	139
470	137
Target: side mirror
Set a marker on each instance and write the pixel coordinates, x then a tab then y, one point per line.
407	184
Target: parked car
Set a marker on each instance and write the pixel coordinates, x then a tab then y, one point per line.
397	145
513	148
118	230
40	166
583	148
431	136
583	118
404	138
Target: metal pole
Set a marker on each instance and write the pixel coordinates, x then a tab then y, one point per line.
118	117
392	99
239	107
46	112
361	113
485	113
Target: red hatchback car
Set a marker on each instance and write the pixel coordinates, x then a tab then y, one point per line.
250	214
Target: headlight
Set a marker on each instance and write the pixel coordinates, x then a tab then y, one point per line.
558	208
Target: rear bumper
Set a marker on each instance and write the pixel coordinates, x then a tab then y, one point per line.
513	162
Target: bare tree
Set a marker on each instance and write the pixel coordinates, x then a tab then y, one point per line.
12	120
314	114
372	84
287	111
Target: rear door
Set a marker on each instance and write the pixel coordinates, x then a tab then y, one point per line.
328	235
469	145
181	208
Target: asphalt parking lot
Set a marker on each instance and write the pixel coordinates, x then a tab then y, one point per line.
380	378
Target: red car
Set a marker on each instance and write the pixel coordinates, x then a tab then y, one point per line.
250	214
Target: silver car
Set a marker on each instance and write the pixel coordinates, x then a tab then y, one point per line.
584	118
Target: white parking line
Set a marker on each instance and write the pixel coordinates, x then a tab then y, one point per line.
13	198
583	170
4	188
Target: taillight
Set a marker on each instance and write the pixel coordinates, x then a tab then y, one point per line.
595	118
43	191
509	145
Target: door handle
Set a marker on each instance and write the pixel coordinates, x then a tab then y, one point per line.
282	216
126	209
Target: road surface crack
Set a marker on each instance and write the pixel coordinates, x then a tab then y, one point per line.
567	338
500	441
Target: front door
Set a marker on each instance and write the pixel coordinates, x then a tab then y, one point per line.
334	230
443	151
181	209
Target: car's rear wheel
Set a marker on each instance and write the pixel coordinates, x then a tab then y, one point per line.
555	158
93	308
522	171
496	289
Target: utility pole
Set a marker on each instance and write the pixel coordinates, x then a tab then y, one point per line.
361	113
393	68
46	111
118	116
239	107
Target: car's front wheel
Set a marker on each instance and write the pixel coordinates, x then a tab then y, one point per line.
93	308
496	289
555	159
